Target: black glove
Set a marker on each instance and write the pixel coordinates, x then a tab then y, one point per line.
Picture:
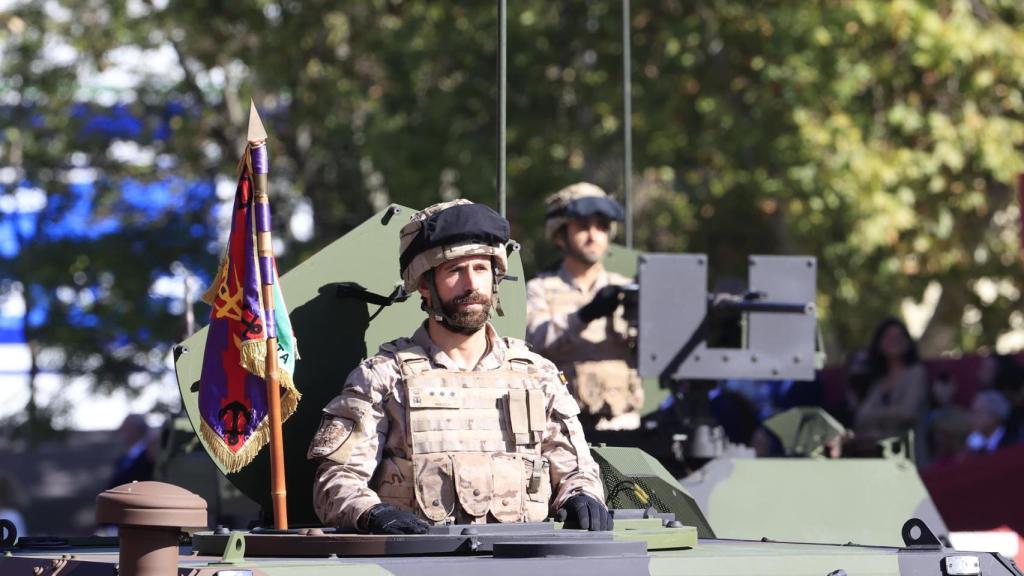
584	512
386	519
604	303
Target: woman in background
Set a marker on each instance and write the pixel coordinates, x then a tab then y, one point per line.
897	395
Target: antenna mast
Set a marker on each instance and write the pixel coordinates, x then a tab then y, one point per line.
502	65
627	124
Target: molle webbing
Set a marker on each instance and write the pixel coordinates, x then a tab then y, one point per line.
475	440
473	411
477	411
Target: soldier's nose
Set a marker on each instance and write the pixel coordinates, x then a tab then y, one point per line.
473	281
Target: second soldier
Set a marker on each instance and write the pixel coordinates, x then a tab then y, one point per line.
574	316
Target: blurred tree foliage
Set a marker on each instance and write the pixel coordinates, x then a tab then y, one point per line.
882	137
91	223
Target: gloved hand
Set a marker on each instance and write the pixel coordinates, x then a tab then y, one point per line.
386	519
604	303
584	512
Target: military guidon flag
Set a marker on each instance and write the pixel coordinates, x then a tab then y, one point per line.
233	400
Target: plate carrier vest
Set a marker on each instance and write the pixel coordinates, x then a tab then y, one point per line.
475	440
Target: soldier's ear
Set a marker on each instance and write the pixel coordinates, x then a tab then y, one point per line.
560	237
424	291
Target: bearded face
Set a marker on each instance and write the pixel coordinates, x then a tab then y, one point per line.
464	289
466	314
586	239
584	253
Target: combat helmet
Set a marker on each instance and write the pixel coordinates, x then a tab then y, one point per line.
579	200
446	231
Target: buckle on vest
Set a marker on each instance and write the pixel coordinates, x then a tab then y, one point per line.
536	478
520	364
413	365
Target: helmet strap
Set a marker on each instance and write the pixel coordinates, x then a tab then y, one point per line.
497	302
436	310
494	290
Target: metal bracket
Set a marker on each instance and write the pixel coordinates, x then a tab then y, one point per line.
916	534
179	350
234	550
898	447
9	533
391	212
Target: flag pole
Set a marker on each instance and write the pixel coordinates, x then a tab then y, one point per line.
264	248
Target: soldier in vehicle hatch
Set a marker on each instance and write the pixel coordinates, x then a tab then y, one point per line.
455	424
573	315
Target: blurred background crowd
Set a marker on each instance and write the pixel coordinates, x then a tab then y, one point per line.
952	407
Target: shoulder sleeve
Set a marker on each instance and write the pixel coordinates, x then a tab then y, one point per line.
548	329
573	469
369	382
347	443
518	347
390	348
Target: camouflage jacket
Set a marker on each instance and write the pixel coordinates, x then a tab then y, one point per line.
595	357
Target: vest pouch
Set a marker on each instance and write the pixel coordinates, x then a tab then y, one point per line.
434	485
617	394
605	387
623	390
588	387
507	499
393	483
474	482
636	391
537	475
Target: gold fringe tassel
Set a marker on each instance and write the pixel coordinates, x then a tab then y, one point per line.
254	357
235	461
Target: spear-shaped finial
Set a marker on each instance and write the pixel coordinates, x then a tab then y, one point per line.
256	131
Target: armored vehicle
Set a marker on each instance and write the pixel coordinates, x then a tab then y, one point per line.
340	311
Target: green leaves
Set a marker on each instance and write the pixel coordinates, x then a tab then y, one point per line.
882	137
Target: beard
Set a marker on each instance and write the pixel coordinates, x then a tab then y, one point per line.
585	255
464	320
582	254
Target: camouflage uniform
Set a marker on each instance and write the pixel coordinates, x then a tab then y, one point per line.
491	444
595	356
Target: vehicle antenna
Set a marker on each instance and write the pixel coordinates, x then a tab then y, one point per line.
502	65
627	124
